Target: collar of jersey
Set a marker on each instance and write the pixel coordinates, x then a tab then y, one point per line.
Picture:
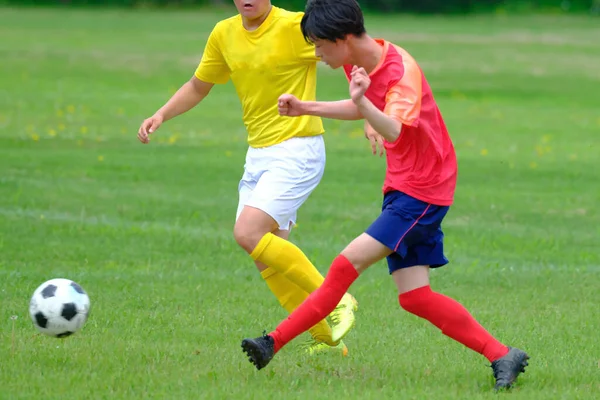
258	31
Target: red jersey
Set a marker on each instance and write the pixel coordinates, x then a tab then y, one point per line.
422	161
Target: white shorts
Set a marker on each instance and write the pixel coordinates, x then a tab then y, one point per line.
278	179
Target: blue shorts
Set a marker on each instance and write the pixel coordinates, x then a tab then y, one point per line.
412	229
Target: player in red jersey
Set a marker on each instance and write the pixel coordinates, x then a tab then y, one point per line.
389	90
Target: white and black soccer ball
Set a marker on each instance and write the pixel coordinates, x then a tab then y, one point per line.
59	308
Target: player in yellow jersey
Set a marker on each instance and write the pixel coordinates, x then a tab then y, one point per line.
263	52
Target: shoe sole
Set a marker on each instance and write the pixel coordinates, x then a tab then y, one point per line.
253	353
335	349
522	364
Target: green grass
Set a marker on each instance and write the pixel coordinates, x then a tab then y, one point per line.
146	230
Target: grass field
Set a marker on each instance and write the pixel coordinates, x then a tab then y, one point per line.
146	230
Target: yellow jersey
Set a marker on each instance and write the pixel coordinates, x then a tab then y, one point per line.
263	64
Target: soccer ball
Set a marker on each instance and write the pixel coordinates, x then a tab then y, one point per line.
59	308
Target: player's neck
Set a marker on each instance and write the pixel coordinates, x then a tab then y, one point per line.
255	23
366	52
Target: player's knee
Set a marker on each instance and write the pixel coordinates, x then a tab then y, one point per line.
247	236
413	303
408	304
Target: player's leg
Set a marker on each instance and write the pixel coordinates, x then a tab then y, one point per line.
290	296
416	297
453	319
261	217
285	177
377	242
290	172
253	231
418	249
361	253
269	205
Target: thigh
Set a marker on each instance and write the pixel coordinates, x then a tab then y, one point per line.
396	226
365	251
245	189
252	172
294	171
428	250
412	230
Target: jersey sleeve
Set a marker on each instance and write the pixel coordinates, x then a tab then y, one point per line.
304	50
212	67
403	98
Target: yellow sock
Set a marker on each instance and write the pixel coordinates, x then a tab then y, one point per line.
287	259
290	297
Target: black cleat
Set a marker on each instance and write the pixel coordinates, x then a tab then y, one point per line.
260	351
507	368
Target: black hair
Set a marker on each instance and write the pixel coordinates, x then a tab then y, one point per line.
332	20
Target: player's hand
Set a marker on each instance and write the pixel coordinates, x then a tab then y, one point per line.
148	127
289	106
359	83
375	139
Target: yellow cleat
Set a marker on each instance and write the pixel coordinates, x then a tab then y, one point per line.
342	318
312	347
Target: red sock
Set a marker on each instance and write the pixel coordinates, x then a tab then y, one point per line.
453	319
319	304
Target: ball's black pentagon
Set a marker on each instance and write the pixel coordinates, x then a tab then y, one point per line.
49	291
64	334
69	311
41	320
77	288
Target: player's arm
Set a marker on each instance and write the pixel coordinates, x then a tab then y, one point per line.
187	97
386	126
290	106
402	102
211	70
342	109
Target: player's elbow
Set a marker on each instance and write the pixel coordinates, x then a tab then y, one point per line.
200	87
392	134
390	137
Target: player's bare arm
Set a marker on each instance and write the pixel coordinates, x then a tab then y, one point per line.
342	109
346	110
387	127
187	97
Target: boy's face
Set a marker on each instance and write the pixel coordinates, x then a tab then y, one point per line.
252	9
331	53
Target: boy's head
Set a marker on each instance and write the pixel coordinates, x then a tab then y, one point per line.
329	24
